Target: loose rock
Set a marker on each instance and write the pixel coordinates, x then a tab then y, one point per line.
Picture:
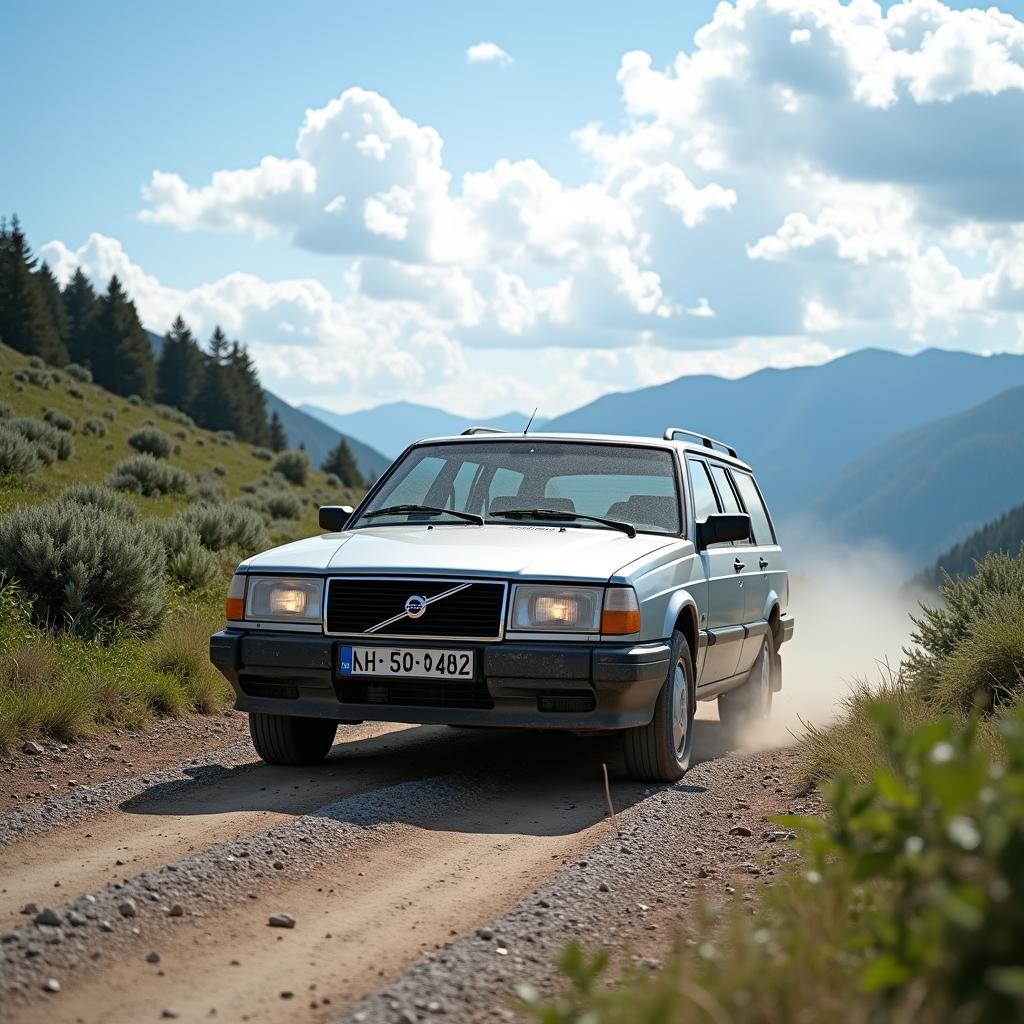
51	985
740	830
128	909
48	916
28	747
281	921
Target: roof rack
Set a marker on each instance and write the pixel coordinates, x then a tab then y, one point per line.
483	430
708	442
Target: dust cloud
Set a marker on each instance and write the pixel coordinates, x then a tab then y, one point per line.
852	606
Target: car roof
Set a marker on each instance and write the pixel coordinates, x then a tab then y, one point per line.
692	447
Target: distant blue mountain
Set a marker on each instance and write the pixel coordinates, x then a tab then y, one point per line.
930	488
801	427
390	428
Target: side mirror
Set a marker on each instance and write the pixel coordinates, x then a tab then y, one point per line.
334	518
723	528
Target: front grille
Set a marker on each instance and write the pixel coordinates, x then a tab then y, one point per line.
255	686
356	604
417	693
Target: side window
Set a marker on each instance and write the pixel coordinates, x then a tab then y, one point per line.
759	521
726	493
704	501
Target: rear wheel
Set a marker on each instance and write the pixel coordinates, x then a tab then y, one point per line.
286	739
750	703
660	750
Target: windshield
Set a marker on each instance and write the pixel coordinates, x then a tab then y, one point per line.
634	485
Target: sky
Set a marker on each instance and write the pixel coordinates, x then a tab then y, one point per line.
486	207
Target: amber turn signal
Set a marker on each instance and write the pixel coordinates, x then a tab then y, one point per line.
621	613
234	603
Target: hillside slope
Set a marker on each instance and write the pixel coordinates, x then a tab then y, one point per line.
924	490
1004	534
799	427
395	425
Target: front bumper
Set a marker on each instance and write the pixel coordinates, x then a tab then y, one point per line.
546	685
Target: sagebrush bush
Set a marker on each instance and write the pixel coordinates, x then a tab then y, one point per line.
282	504
97	496
219	470
209	491
76	392
109	414
224	526
6	411
187	560
94	427
79	373
225	437
88	572
37	362
148	476
333	481
293	465
263	454
58	419
174	415
135	400
41	378
151	441
18	456
51	444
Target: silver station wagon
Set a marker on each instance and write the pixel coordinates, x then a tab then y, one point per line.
542	581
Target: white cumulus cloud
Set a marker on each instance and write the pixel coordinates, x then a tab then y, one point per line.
488	53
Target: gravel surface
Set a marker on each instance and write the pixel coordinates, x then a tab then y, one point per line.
632	891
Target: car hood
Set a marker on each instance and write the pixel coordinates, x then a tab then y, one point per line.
522	551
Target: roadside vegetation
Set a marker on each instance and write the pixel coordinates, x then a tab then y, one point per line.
120	524
908	903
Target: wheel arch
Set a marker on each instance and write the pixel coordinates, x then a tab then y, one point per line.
683	617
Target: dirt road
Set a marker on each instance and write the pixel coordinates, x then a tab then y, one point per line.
408	839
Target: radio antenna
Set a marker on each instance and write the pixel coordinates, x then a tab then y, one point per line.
529	423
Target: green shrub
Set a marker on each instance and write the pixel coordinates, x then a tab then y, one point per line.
51	444
151	441
90	572
109	414
135	400
6	411
174	415
37	362
18	456
209	491
146	475
333	481
187	560
94	427
293	465
79	373
908	907
263	454
96	496
182	650
282	504
76	392
219	470
225	526
225	437
34	375
58	419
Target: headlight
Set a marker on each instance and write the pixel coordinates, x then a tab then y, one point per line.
560	609
283	599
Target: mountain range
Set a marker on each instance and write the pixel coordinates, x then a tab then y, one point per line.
392	427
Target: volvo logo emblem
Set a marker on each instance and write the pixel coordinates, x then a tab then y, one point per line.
415	606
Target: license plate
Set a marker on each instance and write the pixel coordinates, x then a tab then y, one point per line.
406	662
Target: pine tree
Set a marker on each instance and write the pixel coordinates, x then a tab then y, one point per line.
249	404
25	323
49	292
181	370
120	354
213	403
342	463
79	308
278	438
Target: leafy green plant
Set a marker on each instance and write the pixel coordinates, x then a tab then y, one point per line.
151	440
147	475
94	427
91	572
188	561
293	465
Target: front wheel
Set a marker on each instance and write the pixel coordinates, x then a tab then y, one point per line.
289	740
660	750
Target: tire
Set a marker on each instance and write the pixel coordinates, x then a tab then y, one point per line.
288	740
660	751
751	702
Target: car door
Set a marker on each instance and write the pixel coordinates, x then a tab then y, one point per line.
737	561
725	591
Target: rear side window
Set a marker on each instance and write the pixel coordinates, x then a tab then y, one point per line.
704	501
759	521
730	502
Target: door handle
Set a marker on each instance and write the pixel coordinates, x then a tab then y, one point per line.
738	565
761	562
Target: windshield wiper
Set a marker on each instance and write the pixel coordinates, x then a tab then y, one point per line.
470	517
566	517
